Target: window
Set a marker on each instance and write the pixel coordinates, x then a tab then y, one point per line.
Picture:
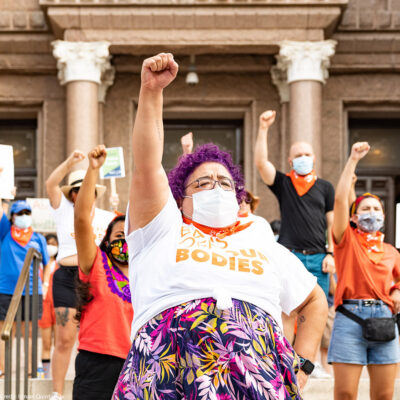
21	134
226	134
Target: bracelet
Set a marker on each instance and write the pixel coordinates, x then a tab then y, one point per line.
329	252
46	284
396	286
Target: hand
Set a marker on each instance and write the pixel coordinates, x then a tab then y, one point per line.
159	71
302	378
97	156
328	264
359	150
187	143
396	300
267	118
74	158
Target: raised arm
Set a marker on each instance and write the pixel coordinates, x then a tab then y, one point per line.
352	194
55	178
149	187
84	208
265	168
343	189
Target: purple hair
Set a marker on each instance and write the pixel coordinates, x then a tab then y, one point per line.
204	153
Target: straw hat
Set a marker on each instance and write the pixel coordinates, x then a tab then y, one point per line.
75	180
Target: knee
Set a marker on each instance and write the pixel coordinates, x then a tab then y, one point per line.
344	394
383	395
65	343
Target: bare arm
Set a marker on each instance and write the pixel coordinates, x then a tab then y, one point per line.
311	321
53	181
85	239
341	208
328	264
352	194
265	168
149	187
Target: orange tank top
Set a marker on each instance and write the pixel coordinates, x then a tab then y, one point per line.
358	276
105	324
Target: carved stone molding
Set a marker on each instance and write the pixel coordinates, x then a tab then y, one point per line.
306	60
279	79
81	61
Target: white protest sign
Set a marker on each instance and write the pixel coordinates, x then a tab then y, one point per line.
114	166
6	172
42	216
398	225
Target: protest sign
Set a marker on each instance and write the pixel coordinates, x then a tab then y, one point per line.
6	172
42	216
114	166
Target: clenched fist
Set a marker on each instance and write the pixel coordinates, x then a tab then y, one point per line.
267	118
97	156
159	71
359	150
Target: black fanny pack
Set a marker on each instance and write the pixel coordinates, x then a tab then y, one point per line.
374	329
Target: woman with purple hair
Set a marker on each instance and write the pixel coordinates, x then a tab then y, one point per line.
209	289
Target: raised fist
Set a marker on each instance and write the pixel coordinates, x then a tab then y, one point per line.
97	156
267	118
159	71
75	157
187	143
359	150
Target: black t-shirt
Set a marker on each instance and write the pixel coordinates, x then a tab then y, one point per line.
303	219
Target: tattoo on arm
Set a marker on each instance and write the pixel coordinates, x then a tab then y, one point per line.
159	130
62	316
301	319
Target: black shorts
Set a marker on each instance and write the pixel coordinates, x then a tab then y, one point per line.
95	375
64	287
5	300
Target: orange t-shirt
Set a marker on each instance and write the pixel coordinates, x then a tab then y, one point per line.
105	325
358	276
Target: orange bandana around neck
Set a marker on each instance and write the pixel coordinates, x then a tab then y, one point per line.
372	243
219	233
301	183
21	236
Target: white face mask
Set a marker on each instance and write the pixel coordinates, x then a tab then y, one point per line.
216	208
52	250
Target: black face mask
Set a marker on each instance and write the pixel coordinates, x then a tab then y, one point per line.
118	249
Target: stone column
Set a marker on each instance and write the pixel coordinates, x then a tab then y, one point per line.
81	67
279	79
307	65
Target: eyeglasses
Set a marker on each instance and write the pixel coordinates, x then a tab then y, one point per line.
206	183
23	212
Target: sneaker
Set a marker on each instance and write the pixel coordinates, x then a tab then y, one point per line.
56	396
319	372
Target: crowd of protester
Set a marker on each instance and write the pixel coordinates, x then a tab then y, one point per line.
192	295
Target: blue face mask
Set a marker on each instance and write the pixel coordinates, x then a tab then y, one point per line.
303	165
370	222
23	221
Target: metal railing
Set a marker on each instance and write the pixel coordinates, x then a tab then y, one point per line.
15	313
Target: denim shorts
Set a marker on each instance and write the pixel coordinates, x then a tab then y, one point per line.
347	342
313	263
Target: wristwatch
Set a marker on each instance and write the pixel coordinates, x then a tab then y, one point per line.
306	365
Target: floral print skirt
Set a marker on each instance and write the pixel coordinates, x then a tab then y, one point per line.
195	351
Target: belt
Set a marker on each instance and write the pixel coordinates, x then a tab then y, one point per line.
366	303
305	252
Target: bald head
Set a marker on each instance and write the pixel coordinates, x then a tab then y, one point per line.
299	149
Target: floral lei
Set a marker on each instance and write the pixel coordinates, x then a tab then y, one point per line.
117	281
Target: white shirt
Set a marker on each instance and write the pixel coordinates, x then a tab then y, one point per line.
64	217
171	262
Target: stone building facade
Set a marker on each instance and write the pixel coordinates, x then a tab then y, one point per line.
70	76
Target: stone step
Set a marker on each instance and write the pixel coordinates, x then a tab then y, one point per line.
316	389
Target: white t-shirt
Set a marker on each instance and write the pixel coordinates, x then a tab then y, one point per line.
269	234
64	217
171	262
